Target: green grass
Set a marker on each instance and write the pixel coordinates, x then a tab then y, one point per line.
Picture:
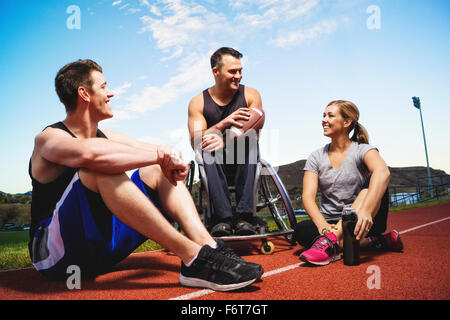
148	245
14	244
418	205
14	250
13	237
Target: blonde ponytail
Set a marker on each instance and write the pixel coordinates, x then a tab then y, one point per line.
360	134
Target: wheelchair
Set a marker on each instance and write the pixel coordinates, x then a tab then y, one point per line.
272	208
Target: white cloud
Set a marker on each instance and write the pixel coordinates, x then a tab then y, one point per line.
134	10
153	9
237	4
150	98
176	54
186	33
297	37
298	8
122	89
177	138
194	75
119	115
115	3
270	11
180	24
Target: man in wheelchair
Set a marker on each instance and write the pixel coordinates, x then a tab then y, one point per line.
225	163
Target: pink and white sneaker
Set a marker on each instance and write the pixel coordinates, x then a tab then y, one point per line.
324	250
388	241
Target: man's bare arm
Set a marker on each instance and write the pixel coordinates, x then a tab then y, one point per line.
196	121
130	141
98	154
253	98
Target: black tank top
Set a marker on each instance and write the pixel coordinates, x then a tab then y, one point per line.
46	195
214	113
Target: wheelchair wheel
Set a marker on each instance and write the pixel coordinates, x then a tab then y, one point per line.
267	247
276	198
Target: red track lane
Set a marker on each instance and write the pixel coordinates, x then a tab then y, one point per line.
420	272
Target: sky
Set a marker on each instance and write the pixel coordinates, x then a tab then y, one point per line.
299	54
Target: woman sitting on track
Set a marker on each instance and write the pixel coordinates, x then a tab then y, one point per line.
348	172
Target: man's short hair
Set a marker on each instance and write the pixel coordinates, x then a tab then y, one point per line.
216	58
72	76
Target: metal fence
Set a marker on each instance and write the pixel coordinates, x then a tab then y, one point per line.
421	192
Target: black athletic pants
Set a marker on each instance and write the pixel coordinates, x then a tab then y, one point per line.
235	166
306	231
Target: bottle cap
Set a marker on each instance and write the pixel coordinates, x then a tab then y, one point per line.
348	211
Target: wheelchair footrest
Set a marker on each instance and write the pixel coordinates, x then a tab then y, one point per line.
258	236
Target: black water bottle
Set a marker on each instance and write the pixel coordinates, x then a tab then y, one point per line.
351	245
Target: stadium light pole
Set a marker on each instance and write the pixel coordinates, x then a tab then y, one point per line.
416	102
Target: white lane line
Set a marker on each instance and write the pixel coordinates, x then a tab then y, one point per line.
193	295
423	225
200	293
276	271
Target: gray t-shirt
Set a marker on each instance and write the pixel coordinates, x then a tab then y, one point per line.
339	187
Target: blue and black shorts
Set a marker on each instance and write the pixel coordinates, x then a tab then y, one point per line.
84	232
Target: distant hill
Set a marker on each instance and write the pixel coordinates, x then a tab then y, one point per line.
24	194
15	194
292	176
15	198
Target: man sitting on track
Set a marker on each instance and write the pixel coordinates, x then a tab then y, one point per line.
87	212
211	113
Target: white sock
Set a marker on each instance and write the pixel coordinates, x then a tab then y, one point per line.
190	262
214	246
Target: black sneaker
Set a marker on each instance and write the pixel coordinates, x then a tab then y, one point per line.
226	251
213	270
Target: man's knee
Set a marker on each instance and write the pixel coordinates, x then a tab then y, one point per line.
151	176
91	179
88	179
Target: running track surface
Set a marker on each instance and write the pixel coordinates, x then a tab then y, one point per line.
419	272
